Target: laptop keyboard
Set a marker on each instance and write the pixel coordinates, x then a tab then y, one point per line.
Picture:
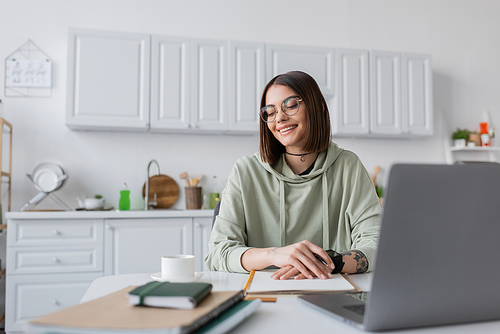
358	308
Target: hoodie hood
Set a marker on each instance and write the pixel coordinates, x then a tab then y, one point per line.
324	160
285	175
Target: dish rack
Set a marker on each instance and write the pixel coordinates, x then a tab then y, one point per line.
46	178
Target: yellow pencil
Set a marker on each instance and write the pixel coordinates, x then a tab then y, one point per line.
249	281
264	299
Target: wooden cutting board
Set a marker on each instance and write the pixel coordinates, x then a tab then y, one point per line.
166	189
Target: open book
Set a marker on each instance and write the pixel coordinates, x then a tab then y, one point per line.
263	284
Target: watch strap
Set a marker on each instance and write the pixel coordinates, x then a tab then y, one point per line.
337	261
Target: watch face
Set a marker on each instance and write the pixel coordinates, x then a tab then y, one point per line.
332	253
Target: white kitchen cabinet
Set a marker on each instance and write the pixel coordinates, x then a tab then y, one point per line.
137	245
108	80
416	94
215	86
246	83
351	110
209	77
52	257
398	103
189	82
30	296
170	80
385	88
319	62
50	265
202	228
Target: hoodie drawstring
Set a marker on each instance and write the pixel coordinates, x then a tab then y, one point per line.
282	214
326	229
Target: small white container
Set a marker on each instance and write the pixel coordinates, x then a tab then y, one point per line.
94	203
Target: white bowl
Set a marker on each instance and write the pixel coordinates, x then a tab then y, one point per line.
94	203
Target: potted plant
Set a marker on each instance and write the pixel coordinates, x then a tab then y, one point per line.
380	193
460	136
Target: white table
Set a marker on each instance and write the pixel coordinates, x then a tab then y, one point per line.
287	315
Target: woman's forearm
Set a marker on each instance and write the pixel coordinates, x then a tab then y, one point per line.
355	262
256	258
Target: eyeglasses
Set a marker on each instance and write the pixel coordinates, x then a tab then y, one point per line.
289	106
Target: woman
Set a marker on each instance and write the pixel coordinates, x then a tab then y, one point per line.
299	196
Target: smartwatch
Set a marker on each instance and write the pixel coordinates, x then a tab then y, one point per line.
337	261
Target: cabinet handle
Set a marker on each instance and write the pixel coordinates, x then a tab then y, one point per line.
56	232
195	126
186	125
55	260
55	302
108	227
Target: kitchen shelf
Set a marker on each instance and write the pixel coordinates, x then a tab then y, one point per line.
475	148
472	154
6	128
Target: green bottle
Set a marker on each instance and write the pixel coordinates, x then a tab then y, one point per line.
124	202
214	193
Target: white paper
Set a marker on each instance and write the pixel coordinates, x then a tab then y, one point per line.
30	73
262	282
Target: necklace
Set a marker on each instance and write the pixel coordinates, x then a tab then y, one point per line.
298	155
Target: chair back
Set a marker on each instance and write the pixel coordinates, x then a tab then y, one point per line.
216	212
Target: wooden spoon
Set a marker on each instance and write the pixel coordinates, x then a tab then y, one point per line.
374	177
184	176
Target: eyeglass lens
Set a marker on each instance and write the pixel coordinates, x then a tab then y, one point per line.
290	107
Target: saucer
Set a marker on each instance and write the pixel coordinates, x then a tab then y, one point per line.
157	277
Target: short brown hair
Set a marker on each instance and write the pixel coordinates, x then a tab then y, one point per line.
317	136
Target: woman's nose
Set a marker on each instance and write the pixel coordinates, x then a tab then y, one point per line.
280	115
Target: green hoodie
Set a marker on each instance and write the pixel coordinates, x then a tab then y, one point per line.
335	207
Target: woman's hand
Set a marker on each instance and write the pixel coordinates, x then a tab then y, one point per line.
299	260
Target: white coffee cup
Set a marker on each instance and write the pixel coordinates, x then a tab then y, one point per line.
177	266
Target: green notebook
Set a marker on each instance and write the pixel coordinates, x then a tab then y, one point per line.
173	295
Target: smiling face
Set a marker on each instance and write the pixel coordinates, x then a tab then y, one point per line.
288	130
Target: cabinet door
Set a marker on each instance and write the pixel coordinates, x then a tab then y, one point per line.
108	80
202	231
209	85
417	94
31	296
137	245
385	84
170	83
246	82
351	112
316	61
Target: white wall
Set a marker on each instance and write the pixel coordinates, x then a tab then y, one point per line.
461	36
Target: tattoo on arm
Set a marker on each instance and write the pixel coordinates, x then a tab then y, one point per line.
360	258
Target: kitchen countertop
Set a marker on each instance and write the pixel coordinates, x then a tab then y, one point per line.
112	214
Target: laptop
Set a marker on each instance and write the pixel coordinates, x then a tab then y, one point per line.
438	256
